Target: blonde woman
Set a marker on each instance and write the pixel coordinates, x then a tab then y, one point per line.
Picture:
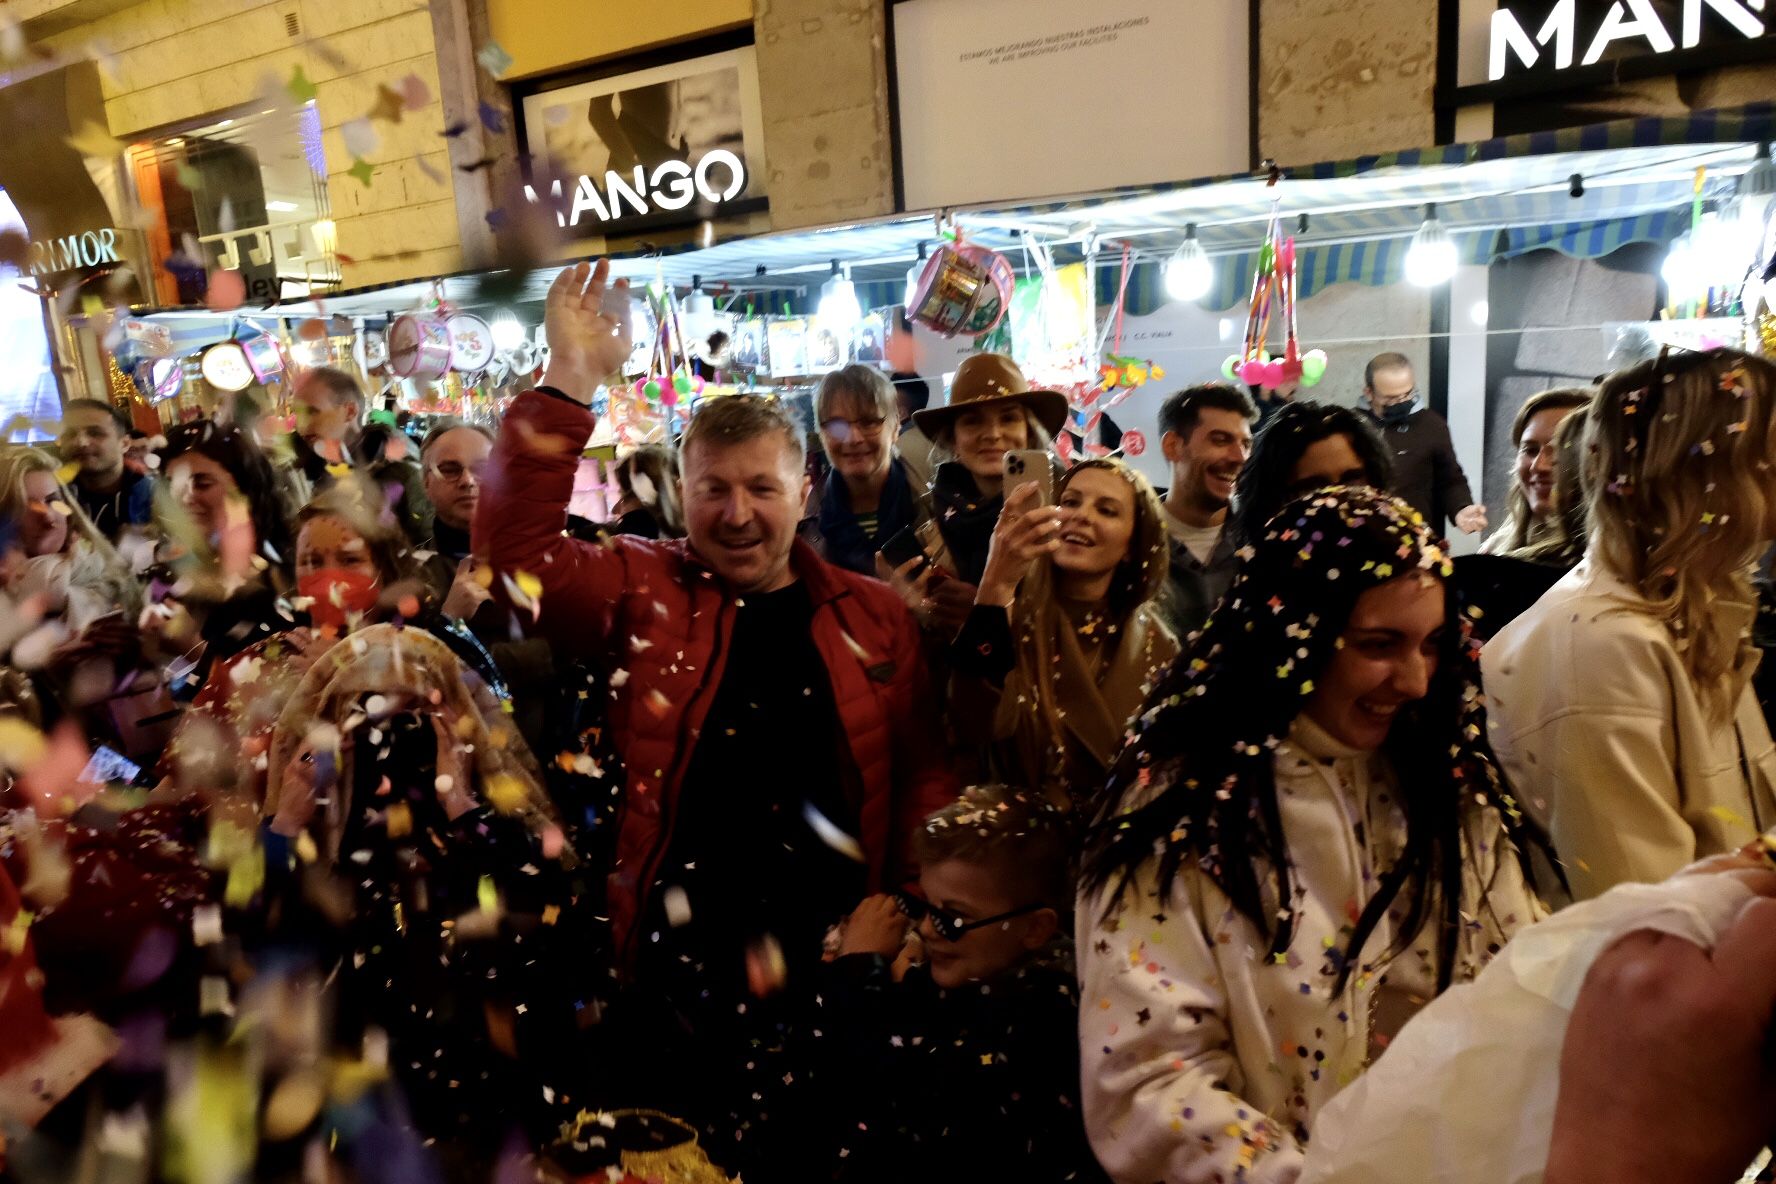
1532	489
60	555
1055	658
1621	703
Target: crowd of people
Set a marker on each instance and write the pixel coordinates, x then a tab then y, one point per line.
922	806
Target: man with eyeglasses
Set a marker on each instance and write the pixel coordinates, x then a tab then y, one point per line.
454	455
1426	473
869	496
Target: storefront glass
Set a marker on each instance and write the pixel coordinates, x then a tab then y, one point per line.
246	194
27	381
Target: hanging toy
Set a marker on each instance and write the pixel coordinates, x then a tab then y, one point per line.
1275	288
964	289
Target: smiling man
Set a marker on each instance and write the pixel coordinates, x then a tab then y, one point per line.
113	494
772	712
1206	436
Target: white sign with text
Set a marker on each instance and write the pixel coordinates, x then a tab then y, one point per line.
1003	100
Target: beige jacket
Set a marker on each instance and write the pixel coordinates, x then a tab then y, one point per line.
1601	732
1205	1059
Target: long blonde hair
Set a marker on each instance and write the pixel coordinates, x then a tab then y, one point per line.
94	563
1678	466
1522	523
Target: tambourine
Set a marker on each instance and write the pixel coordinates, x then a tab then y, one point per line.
963	289
419	347
471	343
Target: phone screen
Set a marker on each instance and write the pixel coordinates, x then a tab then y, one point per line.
108	766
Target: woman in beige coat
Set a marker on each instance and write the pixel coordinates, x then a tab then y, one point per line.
1620	704
1305	840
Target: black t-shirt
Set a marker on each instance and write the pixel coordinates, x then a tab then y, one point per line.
747	858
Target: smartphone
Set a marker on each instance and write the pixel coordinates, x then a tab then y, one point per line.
904	546
1029	466
108	766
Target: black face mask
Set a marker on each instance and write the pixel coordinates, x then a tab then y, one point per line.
1399	412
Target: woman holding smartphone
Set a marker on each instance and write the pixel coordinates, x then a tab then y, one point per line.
991	411
1065	634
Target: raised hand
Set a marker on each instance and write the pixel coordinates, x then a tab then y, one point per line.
1026	531
587	320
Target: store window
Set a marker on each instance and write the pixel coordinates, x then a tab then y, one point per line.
247	193
27	381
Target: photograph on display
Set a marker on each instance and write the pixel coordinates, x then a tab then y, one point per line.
787	341
669	145
870	344
748	350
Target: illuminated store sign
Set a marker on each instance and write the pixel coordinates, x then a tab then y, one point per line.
1520	43
719	177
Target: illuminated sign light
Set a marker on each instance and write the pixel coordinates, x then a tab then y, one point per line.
1625	20
673	185
89	249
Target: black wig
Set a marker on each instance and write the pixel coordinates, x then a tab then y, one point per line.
1195	784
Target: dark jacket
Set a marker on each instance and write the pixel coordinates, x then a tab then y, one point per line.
977	1083
130	504
1194	588
843	540
1426	473
370	455
654	612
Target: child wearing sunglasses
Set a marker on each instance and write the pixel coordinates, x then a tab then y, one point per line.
966	1063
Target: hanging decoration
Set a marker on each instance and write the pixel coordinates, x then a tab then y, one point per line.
645	411
1274	289
964	290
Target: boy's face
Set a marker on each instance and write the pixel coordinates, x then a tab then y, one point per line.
974	892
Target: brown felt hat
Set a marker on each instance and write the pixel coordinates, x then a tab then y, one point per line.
984	379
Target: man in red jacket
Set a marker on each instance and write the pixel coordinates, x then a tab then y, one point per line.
773	712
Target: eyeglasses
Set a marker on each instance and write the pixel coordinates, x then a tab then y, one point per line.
453	472
844	428
949	925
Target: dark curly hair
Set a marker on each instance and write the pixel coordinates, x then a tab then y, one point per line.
237	452
1196	784
1265	484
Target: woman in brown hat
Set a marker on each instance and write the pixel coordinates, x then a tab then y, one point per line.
1065	634
991	411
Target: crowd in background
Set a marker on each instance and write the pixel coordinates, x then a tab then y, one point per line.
915	803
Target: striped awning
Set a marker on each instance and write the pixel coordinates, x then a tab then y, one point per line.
1497	198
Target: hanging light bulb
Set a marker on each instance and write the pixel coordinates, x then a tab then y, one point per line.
1752	199
508	334
698	318
1431	259
1683	272
1189	273
913	274
839	310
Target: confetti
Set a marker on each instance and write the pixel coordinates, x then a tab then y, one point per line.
831	835
494	59
299	87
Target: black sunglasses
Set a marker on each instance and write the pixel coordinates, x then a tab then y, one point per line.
948	925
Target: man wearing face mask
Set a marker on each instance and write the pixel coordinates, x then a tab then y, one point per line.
1426	473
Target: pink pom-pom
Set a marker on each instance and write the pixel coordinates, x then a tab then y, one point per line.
1273	375
1251	373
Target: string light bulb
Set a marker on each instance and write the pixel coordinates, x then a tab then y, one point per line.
1188	273
1431	259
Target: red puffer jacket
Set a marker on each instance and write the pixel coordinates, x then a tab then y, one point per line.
654	611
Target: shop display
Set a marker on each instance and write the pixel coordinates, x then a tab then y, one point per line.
263	356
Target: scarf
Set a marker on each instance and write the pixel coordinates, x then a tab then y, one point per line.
965	519
847	545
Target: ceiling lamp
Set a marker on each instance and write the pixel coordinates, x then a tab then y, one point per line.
1431	259
1188	273
508	334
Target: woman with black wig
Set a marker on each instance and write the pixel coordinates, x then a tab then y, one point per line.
1305	839
1301	448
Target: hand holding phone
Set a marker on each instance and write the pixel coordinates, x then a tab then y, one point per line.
1029	466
